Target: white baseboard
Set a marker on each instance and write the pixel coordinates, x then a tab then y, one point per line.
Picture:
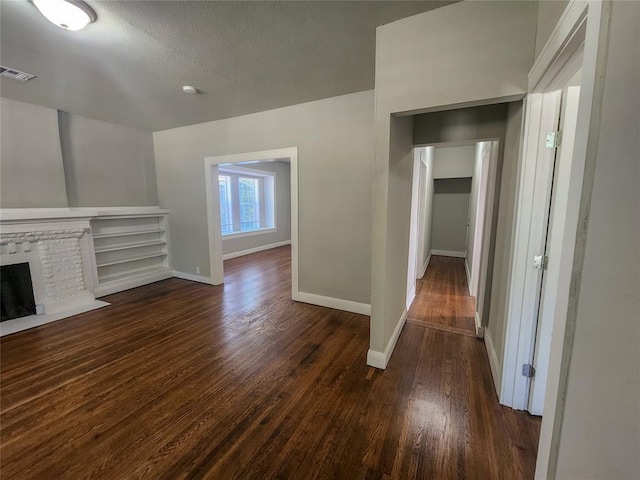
479	327
411	297
376	359
426	265
448	253
494	364
331	302
24	323
229	256
466	269
133	282
381	360
193	278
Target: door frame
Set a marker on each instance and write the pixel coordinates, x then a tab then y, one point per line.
582	24
555	282
414	225
562	54
484	225
542	112
213	207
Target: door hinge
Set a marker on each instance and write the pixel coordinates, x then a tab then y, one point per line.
540	262
553	139
528	371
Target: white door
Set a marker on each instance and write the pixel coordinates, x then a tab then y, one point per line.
551	291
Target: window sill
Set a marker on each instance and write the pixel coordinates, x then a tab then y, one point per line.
230	236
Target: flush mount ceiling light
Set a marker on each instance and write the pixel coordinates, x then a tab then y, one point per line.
67	14
189	89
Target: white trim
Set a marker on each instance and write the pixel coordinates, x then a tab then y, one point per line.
260	231
109	288
213	207
479	327
411	296
583	168
193	278
376	359
381	360
496	371
244	170
426	264
331	302
24	323
466	269
448	253
534	189
414	222
249	251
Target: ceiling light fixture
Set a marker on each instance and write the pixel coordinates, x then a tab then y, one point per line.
67	14
189	89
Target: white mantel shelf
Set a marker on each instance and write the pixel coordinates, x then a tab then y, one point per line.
23	215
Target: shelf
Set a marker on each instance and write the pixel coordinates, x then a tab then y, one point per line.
126	234
132	259
130	246
115	248
115	277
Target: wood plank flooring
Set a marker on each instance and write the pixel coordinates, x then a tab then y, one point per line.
442	298
180	380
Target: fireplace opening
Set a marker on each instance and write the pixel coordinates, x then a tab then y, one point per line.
16	294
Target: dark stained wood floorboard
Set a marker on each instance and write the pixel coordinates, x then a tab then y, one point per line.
442	298
180	380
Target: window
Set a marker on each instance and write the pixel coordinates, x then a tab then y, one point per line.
246	200
226	220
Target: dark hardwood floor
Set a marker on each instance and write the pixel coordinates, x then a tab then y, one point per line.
180	380
442	298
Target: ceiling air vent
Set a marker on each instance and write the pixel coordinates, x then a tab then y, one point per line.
15	74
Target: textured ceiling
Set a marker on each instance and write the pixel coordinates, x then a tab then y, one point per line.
245	57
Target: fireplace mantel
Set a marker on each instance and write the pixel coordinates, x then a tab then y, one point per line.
68	271
10	216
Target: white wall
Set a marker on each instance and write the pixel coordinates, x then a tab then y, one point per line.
549	12
53	159
399	208
282	210
469	72
334	140
454	162
600	432
106	165
31	170
450	214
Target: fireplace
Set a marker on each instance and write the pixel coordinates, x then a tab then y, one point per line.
16	293
46	259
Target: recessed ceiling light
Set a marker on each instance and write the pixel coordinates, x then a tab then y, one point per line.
67	14
189	89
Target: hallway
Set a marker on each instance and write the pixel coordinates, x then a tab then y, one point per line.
442	298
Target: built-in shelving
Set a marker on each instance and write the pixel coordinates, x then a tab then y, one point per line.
131	247
131	259
117	247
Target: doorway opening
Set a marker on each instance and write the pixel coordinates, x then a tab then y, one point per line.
453	189
252	206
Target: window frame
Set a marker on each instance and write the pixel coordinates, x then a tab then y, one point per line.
267	187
